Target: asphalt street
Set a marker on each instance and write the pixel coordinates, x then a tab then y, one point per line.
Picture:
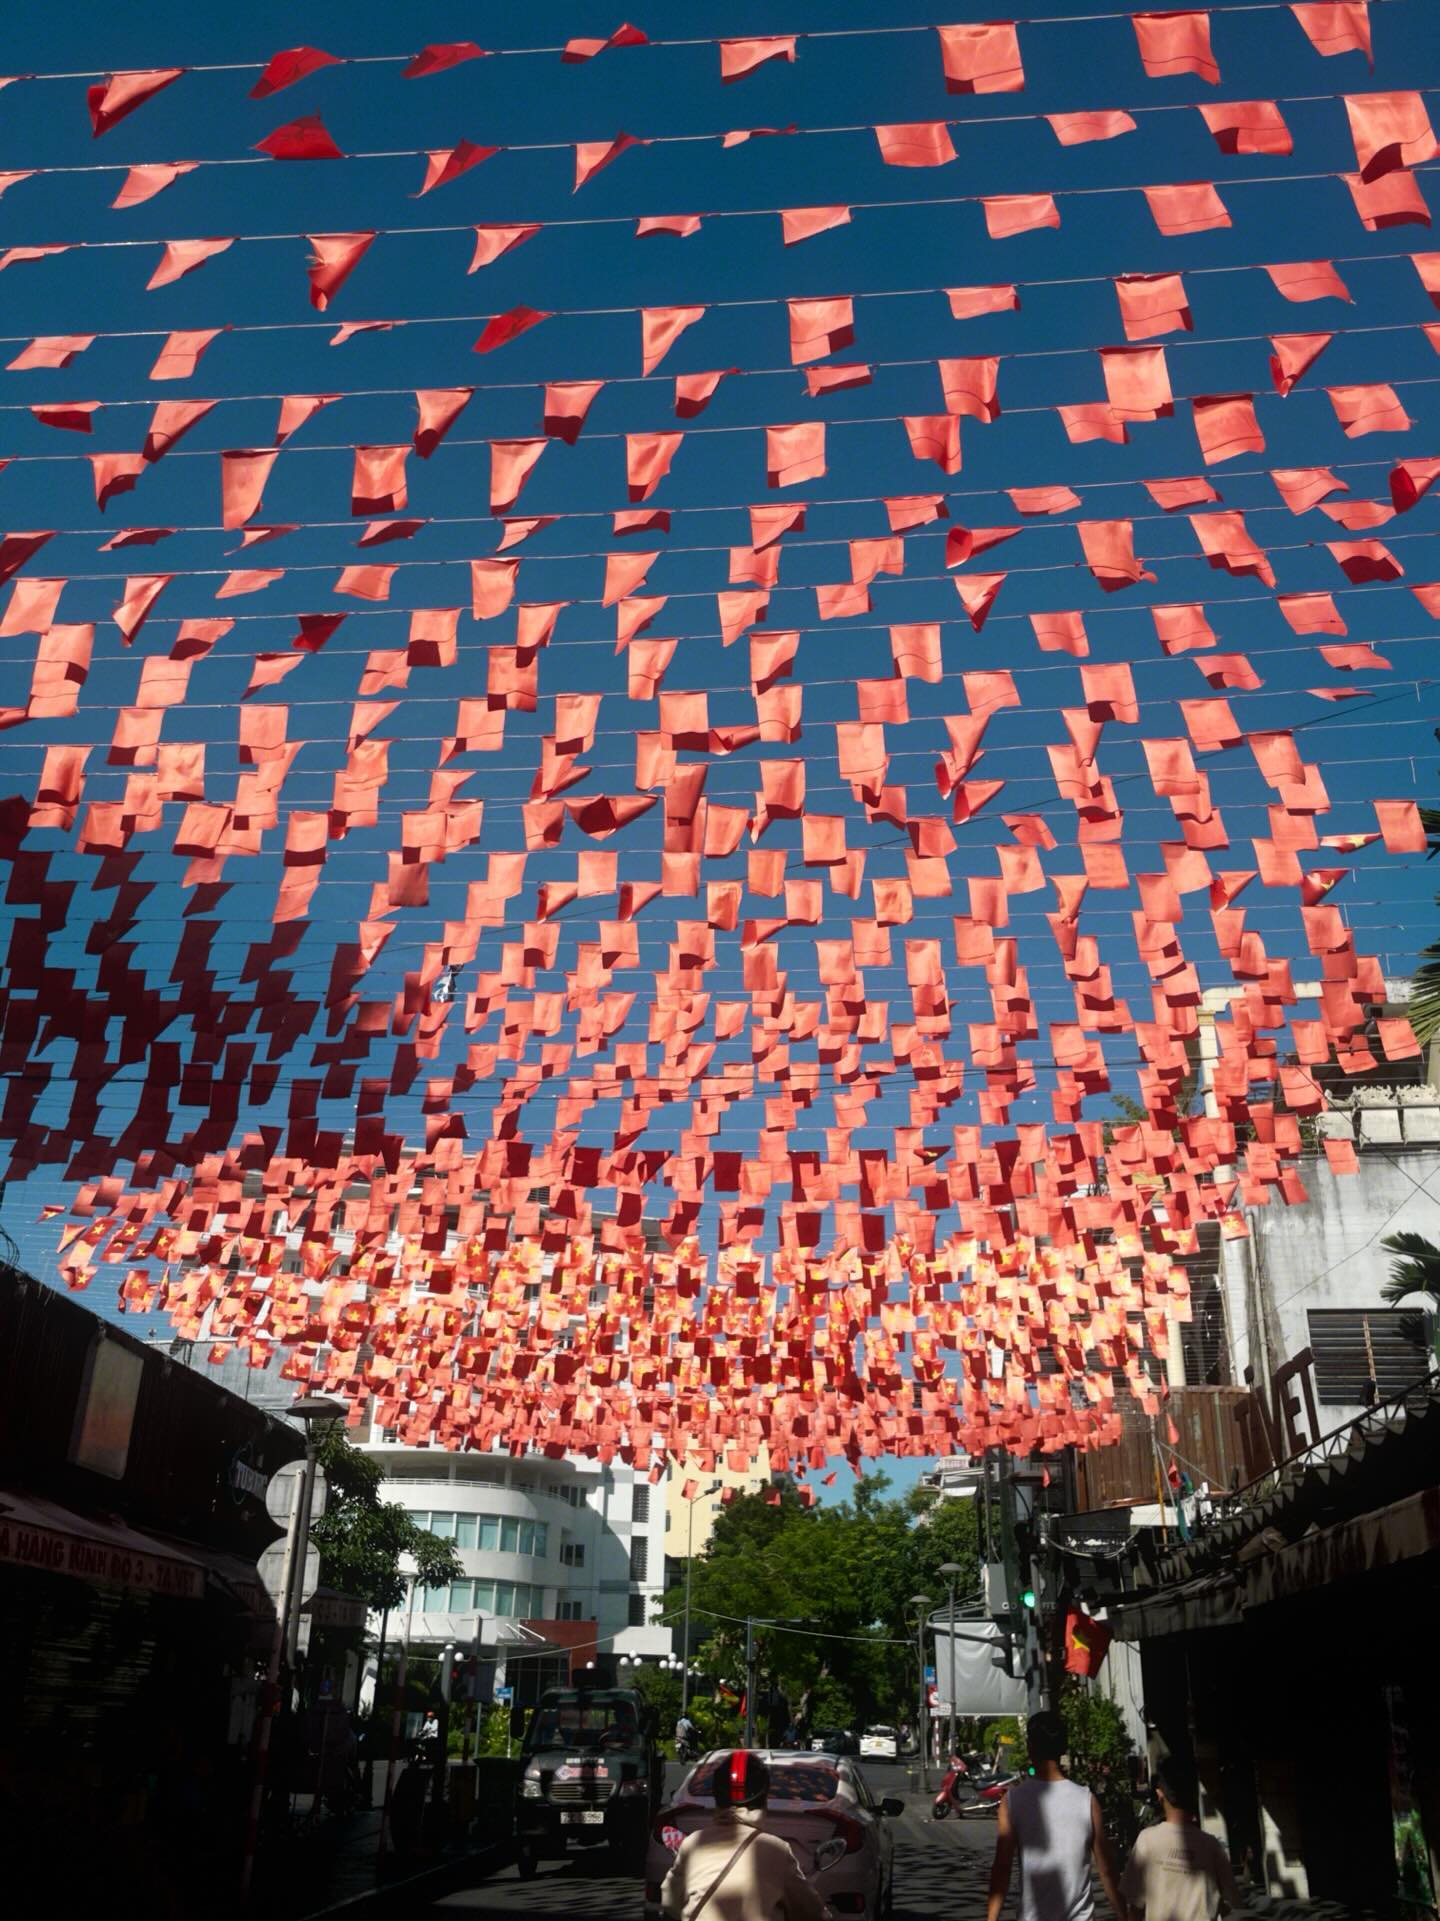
941	1868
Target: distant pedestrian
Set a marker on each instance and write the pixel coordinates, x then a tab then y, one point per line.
730	1870
427	1741
1056	1829
1176	1871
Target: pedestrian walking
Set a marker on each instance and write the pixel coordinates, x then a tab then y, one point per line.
1055	1827
1176	1871
731	1870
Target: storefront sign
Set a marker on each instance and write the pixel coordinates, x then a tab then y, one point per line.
104	1563
245	1478
1275	1426
336	1611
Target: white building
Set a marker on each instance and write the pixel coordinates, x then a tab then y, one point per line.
538	1540
1310	1275
954	1477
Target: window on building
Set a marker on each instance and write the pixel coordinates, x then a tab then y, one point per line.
443	1525
509	1536
640	1504
570	1611
485	1596
1356	1345
434	1600
636	1615
466	1529
489	1533
572	1554
639	1556
462	1596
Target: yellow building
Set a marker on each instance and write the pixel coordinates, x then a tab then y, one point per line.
690	1523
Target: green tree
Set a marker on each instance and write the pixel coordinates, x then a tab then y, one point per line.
827	1589
659	1689
1414	1270
362	1538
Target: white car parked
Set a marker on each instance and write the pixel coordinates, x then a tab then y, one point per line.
879	1744
821	1805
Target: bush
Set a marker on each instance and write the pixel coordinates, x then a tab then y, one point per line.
1102	1756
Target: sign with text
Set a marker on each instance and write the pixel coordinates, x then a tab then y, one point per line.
107	1563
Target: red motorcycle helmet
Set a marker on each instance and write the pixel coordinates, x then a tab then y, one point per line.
742	1780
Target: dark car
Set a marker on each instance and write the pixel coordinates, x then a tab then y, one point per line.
839	1741
590	1776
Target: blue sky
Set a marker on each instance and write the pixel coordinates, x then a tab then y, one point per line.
588	259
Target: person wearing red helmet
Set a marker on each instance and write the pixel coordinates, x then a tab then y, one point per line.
733	1871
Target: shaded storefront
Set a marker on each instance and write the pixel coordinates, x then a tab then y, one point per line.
131	1515
1286	1653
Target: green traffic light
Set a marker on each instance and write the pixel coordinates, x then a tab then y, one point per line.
1027	1599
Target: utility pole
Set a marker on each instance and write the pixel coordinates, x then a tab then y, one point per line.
921	1604
703	1494
951	1569
749	1683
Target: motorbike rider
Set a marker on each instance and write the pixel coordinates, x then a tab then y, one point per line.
685	1735
731	1870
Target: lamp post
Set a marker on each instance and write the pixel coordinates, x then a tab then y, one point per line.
312	1409
921	1603
317	1412
952	1569
705	1493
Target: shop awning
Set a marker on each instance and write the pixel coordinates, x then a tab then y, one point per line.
50	1539
1369	1544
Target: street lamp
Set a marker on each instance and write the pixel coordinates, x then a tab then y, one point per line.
951	1570
700	1494
318	1413
311	1411
921	1604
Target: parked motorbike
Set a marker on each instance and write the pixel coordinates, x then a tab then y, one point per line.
957	1776
964	1793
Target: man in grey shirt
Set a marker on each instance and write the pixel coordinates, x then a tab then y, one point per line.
1056	1829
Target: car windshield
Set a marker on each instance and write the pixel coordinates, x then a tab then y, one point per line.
808	1782
591	1720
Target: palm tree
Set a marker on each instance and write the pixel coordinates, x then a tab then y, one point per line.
1414	1270
1424	1008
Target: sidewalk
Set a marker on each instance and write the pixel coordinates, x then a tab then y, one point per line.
333	1868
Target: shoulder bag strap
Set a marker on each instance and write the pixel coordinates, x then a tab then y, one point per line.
714	1886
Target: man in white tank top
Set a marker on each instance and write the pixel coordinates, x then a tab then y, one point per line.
1056	1828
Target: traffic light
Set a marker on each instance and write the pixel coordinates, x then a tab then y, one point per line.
1002	1655
1027	1599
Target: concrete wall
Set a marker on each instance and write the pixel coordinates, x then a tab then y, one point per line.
1326	1253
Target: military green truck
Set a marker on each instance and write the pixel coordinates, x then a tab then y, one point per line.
590	1776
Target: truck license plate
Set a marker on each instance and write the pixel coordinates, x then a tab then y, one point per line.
584	1817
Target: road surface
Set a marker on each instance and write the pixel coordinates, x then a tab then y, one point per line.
941	1868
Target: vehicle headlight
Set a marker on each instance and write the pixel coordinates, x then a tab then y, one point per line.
828	1853
530	1788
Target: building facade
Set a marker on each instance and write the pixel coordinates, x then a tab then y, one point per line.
538	1541
690	1517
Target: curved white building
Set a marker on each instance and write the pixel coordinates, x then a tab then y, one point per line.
538	1541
